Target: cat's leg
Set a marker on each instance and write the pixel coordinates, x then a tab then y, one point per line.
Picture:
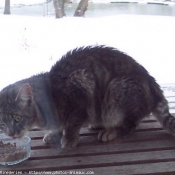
112	118
53	137
70	137
72	127
128	127
116	132
120	109
78	105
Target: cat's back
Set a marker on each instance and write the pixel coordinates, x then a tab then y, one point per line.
94	57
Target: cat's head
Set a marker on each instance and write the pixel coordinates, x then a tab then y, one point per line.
17	110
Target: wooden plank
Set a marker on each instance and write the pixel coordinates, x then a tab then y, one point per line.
135	137
97	161
104	149
151	126
87	132
109	149
163	168
148	145
154	125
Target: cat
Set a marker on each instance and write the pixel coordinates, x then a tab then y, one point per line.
98	85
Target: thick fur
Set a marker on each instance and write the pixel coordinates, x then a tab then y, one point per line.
98	85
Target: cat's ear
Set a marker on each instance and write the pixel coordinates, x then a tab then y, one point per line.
25	93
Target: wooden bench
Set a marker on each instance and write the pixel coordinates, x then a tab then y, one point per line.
149	150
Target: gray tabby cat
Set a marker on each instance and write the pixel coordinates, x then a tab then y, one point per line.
97	85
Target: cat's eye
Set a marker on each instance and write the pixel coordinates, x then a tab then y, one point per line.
17	118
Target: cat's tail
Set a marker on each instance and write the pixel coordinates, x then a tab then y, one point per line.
161	112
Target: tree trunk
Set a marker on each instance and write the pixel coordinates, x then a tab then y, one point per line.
7	7
59	8
81	9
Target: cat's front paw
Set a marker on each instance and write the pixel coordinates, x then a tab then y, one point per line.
68	143
52	138
107	135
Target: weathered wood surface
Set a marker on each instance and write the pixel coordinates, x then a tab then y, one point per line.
149	150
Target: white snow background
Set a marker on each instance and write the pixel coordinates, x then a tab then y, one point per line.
30	45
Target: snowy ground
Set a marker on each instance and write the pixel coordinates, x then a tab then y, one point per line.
31	45
32	2
21	2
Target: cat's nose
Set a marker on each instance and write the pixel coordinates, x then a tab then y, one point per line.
10	133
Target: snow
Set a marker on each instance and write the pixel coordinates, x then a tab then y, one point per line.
33	2
30	45
22	2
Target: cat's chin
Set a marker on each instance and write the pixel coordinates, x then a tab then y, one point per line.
18	136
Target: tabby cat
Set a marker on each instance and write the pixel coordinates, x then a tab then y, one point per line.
98	85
